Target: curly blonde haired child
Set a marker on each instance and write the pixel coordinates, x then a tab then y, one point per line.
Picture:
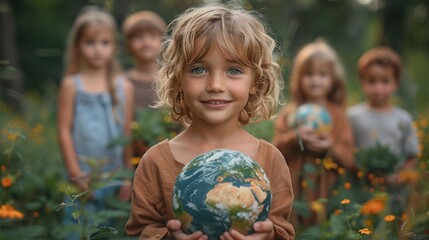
217	75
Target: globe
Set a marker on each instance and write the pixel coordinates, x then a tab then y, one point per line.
219	190
313	115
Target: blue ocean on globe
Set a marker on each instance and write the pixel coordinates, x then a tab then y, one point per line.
220	190
313	115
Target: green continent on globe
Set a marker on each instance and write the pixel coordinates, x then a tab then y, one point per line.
220	190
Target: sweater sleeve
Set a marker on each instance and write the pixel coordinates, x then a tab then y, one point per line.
285	137
146	219
282	199
342	150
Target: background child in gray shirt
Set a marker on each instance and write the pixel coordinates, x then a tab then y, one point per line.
377	121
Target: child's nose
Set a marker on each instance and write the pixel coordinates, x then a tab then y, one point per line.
216	83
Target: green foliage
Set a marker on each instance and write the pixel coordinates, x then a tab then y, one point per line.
378	160
152	126
87	226
262	130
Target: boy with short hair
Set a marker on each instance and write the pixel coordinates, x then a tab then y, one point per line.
378	121
144	34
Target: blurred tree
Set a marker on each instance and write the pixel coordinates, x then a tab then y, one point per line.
41	32
10	79
350	26
394	18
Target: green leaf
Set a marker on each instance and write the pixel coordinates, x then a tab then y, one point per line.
32	206
338	224
101	232
75	214
26	232
309	168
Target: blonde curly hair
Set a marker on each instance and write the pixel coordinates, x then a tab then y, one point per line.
239	35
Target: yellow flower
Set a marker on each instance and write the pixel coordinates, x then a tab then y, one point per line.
134	125
365	231
341	171
329	164
345	201
317	206
135	160
389	218
6	182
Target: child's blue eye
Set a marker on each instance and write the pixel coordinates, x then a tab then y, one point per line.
198	70
234	71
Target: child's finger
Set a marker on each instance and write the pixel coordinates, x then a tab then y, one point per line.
173	225
263	227
233	235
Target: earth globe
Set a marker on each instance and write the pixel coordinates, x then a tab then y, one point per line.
219	190
313	115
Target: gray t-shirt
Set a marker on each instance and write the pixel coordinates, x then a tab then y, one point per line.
393	129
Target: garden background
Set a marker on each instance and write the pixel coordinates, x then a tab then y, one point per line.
32	42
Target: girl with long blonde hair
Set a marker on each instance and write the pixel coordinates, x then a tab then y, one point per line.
317	78
94	104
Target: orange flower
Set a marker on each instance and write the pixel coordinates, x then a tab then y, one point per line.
389	218
360	174
338	212
404	217
373	206
3	168
365	231
409	176
7	211
304	184
368	222
345	201
423	122
6	182
12	137
347	185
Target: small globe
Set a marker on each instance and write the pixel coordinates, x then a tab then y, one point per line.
313	115
220	190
